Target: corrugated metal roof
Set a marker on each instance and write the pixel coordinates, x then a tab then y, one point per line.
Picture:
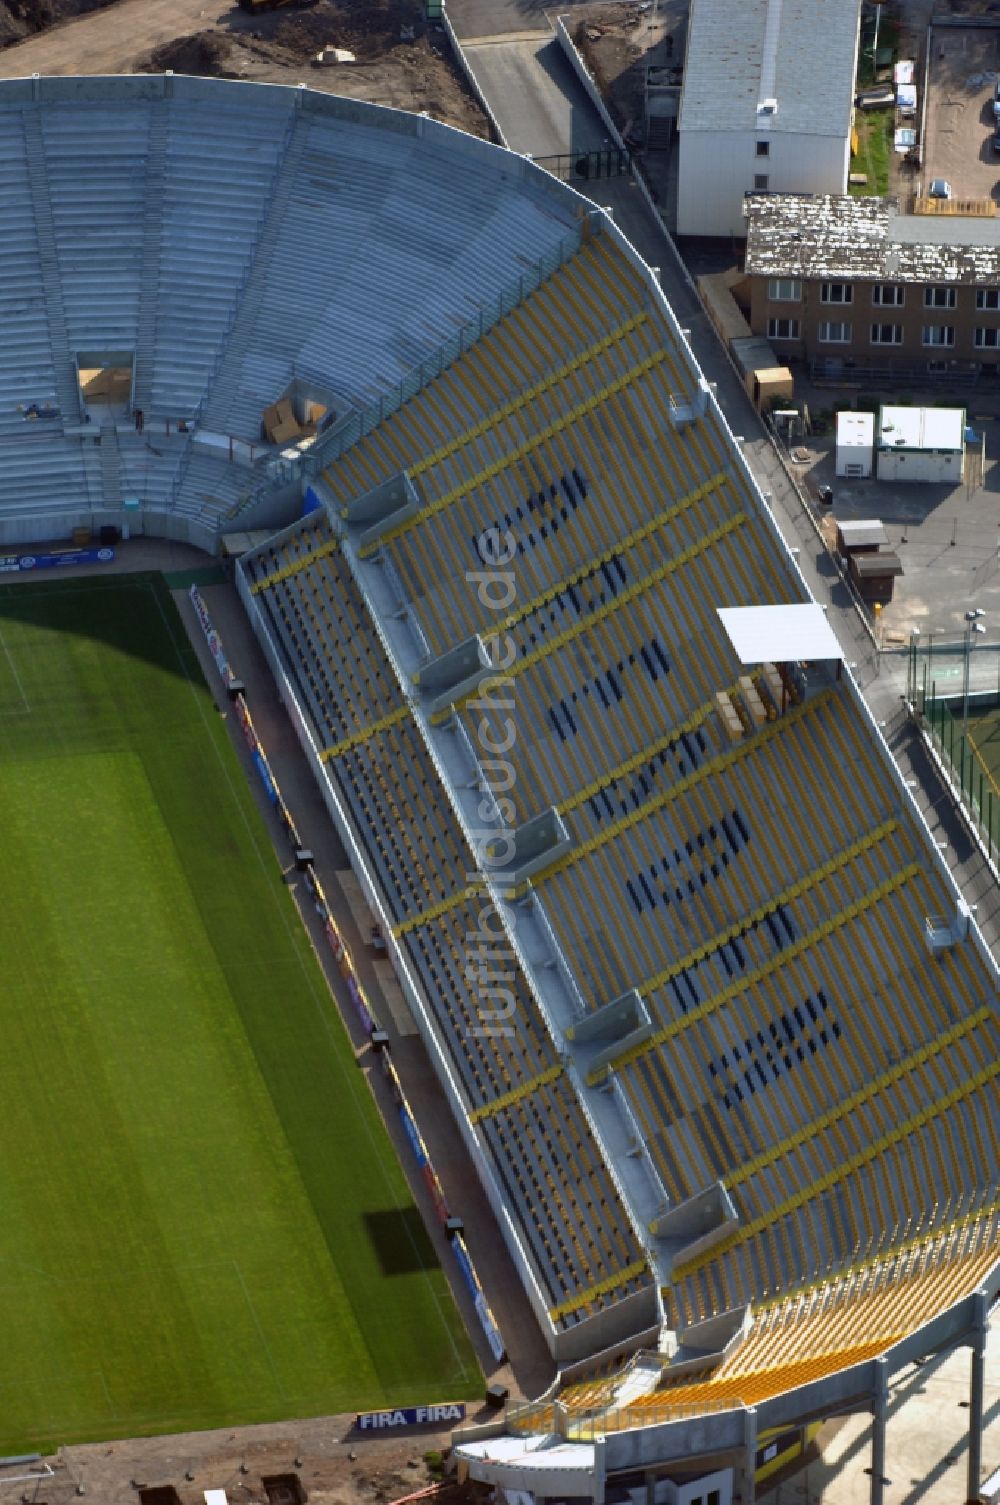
763	634
799	53
866	239
862	533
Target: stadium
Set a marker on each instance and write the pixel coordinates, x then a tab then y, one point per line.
719	1034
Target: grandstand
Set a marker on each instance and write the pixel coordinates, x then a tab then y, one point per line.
741	1135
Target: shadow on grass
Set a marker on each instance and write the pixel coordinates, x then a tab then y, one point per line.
400	1241
134	614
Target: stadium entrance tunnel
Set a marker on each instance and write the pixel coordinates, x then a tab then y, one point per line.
301	412
105	381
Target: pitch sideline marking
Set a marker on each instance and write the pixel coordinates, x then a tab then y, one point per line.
260	1333
25	703
350	1079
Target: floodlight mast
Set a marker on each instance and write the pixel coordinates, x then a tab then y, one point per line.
973	625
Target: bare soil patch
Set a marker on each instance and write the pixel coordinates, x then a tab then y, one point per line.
401	62
20	18
608	41
329	1464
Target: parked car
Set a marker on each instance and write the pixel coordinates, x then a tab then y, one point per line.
996	100
996	140
939	188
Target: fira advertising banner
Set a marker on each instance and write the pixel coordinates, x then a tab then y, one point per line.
442	1415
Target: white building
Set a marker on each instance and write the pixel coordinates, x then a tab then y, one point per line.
921	444
766	105
855	444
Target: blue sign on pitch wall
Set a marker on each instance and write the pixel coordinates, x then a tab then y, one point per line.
11	563
411	1416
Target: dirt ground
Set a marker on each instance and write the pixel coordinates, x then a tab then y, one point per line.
619	42
213	38
20	18
965	65
332	1468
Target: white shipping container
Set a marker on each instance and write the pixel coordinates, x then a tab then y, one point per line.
855	444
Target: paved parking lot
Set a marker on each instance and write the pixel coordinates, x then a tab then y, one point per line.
947	538
965	62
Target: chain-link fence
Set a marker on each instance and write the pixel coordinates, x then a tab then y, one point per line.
970	774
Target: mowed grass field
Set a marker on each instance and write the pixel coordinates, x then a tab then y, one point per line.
202	1219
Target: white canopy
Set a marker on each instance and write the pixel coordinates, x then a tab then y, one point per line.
778	634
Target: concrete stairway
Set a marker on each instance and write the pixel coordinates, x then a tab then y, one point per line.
48	265
642	1376
225	386
111	477
149	277
660	133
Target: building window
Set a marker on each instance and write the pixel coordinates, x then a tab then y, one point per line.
987	339
760	182
763	148
836	292
939	297
784	290
782	329
988	297
939	334
837	332
887	295
887	334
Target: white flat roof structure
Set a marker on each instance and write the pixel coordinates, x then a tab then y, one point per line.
216	1497
856	429
922	428
773	65
863	533
777	634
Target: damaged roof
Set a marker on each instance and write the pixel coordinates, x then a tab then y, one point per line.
866	240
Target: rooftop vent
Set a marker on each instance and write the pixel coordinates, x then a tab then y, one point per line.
767	107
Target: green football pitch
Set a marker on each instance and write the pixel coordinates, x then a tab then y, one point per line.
202	1219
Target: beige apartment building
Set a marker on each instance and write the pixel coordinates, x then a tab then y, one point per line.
854	287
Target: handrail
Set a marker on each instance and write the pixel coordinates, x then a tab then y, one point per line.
357	425
557	1419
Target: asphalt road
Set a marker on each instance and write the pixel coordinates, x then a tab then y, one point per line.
537	99
491	18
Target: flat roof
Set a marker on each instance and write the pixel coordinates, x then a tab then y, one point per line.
762	634
874	566
855	428
921	428
770	65
866	239
863	534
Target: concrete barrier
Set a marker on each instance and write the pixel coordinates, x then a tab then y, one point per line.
586	78
473	82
